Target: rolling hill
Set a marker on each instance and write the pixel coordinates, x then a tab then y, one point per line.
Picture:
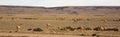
60	10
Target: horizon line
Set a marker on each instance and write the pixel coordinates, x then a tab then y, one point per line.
58	6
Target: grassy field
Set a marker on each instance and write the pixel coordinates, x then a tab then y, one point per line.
8	22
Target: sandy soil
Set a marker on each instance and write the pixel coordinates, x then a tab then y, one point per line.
35	35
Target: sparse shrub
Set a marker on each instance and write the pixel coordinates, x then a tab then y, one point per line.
37	29
97	36
112	29
81	27
83	35
30	29
103	28
94	34
10	31
1	17
119	20
27	18
88	29
99	28
68	28
12	18
30	18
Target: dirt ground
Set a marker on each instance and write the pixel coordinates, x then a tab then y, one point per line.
8	23
34	35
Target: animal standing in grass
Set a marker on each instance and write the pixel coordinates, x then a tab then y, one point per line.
18	27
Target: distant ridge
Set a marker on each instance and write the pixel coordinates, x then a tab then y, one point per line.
4	9
55	7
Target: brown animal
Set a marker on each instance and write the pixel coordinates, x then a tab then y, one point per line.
105	28
100	28
18	27
76	19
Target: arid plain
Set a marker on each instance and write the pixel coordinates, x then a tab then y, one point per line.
89	21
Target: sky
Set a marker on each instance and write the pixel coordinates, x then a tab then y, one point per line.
54	3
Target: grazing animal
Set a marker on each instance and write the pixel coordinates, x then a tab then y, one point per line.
100	28
18	27
76	19
104	28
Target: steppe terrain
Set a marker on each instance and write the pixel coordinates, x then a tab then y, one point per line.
52	20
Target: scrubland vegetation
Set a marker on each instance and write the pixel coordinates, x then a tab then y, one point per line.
82	25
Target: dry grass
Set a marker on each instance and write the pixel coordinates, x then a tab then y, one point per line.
9	21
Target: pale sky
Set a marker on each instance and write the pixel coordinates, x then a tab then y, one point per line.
54	3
